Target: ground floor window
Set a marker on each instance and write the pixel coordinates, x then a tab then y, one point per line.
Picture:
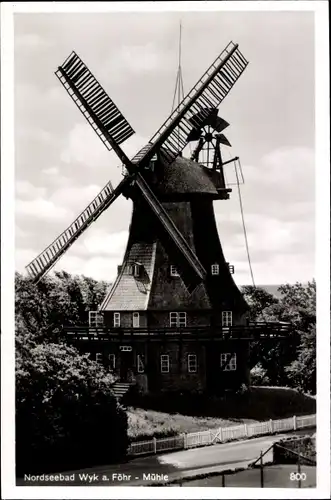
228	361
165	363
112	361
98	357
192	363
140	363
226	318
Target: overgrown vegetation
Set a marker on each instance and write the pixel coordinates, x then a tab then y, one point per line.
66	414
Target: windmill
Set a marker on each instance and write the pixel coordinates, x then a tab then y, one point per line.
167	144
174	317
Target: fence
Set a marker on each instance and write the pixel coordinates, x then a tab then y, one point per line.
220	435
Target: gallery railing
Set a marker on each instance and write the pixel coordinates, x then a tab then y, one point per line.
250	331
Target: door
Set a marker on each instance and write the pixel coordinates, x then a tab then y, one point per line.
126	367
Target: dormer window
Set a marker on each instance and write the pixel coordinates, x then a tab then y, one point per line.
215	269
231	268
95	319
137	269
173	271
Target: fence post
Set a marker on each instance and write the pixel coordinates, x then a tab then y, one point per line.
246	430
154	443
185	440
261	470
223	480
294	422
271	426
221	435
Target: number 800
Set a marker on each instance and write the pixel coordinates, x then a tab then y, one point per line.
298	476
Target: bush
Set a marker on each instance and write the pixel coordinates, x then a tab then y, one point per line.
258	375
66	414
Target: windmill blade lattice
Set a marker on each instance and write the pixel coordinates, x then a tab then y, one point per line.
48	258
93	102
199	103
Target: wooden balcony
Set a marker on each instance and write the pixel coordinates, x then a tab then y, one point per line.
251	331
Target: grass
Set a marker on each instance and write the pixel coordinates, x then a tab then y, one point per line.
170	414
145	424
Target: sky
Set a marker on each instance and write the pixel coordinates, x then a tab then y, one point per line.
60	164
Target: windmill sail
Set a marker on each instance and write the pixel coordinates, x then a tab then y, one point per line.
93	102
201	101
48	258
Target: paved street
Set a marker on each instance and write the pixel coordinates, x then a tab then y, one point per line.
176	465
275	476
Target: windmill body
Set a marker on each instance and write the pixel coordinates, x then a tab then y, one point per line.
149	294
174	318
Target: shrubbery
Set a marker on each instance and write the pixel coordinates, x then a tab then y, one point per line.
66	413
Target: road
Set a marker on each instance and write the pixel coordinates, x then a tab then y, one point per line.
275	476
176	465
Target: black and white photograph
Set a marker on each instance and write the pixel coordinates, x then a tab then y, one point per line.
165	250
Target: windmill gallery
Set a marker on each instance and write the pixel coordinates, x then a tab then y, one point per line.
174	319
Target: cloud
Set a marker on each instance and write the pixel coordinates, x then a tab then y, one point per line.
41	209
138	59
31	41
75	197
99	268
27	190
52	171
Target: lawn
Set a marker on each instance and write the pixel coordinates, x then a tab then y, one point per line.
150	423
167	415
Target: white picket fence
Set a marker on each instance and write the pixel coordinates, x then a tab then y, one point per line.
220	435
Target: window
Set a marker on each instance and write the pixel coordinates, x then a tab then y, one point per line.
165	363
226	318
135	320
178	319
112	361
173	271
231	268
140	363
98	357
192	363
215	269
126	348
228	361
117	319
95	319
137	269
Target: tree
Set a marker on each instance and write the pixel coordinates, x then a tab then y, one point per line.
66	413
284	362
258	300
56	301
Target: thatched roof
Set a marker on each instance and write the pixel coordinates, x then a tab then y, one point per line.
184	176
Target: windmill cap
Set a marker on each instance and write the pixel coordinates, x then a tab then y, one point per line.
184	176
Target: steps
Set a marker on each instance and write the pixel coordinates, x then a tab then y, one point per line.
121	388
